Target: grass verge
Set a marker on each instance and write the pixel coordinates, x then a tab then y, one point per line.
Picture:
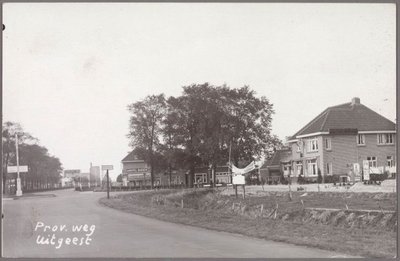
212	211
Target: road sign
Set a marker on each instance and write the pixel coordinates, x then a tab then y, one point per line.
107	167
13	169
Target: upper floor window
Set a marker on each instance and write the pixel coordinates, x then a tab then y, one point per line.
360	139
328	144
385	138
312	145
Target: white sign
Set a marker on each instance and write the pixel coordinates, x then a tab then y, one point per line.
132	177
13	169
107	167
238	180
366	169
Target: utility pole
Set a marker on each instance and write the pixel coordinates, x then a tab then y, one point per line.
19	191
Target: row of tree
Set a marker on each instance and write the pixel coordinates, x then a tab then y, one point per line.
44	170
202	127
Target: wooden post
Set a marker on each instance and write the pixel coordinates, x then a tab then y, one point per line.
108	186
235	191
244	192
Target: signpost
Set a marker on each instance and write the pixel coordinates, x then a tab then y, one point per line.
14	169
17	169
239	180
107	168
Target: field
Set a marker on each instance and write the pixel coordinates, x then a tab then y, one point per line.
362	224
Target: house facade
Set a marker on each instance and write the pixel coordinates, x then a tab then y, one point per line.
204	175
277	167
135	171
344	141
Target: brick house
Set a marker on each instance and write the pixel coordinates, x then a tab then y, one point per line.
275	168
339	141
204	175
136	173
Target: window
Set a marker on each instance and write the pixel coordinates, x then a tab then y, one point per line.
329	168
385	138
312	145
328	144
389	161
298	148
372	162
299	166
360	139
200	178
312	167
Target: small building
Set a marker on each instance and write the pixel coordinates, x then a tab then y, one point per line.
136	172
178	177
204	175
277	167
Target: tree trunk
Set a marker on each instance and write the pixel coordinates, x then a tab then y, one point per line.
5	173
170	174
191	174
151	156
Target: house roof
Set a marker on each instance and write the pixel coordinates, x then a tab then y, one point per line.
276	158
351	115
131	157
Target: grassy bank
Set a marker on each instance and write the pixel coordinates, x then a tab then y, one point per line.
274	216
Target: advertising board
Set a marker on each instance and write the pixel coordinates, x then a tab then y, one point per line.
238	180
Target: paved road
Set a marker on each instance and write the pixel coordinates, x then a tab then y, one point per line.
119	234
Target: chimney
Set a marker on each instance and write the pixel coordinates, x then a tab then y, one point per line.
355	100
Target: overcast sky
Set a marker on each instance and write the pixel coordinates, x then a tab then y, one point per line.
70	70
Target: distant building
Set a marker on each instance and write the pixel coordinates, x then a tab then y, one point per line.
95	179
339	142
178	177
135	171
204	175
275	168
71	173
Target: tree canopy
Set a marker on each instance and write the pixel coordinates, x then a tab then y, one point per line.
199	127
44	169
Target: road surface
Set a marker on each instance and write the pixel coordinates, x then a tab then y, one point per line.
113	233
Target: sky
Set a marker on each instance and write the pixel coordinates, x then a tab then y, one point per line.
70	70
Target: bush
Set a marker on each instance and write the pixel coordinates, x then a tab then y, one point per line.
332	179
319	179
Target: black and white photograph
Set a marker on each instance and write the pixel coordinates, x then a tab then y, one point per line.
199	130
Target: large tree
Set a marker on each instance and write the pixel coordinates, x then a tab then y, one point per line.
201	125
145	126
9	145
215	118
44	169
